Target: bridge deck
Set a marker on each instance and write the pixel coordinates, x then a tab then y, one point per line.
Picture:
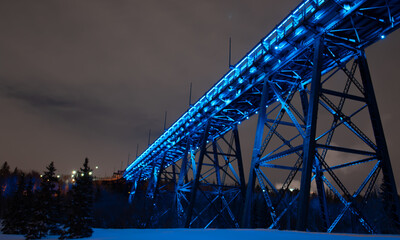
283	55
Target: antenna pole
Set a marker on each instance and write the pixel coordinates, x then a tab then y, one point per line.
230	55
148	143
165	120
190	95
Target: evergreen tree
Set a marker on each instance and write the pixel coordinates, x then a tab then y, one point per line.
79	224
50	194
5	170
4	187
37	219
391	222
17	171
15	219
4	175
45	206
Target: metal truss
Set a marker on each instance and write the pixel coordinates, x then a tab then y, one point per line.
207	185
309	84
303	144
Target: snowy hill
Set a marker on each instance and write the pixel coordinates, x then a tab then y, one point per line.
214	234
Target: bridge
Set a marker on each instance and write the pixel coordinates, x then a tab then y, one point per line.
308	84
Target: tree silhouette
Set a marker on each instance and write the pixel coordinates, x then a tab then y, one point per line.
4	186
5	170
37	218
390	219
79	222
45	206
15	219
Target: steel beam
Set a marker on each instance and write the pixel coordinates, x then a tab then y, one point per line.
246	219
195	184
382	150
239	162
309	140
183	171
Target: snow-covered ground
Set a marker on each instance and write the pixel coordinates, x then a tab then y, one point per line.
214	234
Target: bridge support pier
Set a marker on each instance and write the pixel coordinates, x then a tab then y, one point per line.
216	192
320	152
197	177
248	206
391	197
309	139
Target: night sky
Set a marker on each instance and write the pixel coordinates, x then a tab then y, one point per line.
90	78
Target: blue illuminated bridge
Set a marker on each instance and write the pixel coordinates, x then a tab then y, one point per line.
309	85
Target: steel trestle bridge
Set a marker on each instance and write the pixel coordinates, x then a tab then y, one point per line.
309	85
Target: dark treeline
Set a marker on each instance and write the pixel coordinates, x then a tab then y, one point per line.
36	205
107	206
162	212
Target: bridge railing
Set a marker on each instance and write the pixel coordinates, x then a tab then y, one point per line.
207	104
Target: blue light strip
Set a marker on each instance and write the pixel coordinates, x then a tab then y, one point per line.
195	118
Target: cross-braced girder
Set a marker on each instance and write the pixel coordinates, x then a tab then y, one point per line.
278	150
207	185
218	184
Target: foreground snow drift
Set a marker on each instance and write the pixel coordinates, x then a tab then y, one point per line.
214	234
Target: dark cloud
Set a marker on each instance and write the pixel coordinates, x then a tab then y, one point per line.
39	99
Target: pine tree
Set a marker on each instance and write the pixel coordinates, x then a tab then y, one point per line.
79	224
50	192
15	219
45	206
4	187
391	220
36	226
5	170
17	172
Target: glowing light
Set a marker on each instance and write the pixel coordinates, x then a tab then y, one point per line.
230	80
41	175
90	173
383	36
74	172
82	174
58	176
97	167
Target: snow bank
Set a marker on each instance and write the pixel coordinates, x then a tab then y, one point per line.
213	234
